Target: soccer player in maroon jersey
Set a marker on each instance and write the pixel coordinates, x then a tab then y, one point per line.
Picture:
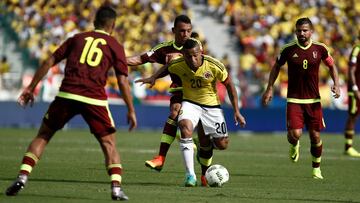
163	53
303	57
354	100
89	56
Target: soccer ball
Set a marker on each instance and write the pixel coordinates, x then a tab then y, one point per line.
217	175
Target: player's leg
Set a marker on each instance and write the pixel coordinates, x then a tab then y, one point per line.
293	137
188	120
169	134
102	126
316	151
56	117
113	166
315	123
187	151
31	157
295	123
212	135
205	152
349	133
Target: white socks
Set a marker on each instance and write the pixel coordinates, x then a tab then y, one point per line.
187	151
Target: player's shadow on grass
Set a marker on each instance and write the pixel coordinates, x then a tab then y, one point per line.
64	197
148	183
59	180
261	199
268	176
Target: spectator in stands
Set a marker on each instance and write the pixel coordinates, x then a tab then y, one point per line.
4	65
4	68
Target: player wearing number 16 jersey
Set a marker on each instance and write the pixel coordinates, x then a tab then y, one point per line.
89	57
303	58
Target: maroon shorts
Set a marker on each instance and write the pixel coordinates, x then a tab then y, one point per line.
353	106
310	115
61	110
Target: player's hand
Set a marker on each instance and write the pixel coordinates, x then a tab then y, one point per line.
267	97
336	90
26	97
150	81
239	119
131	120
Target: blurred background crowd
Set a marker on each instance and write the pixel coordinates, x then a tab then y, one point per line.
259	27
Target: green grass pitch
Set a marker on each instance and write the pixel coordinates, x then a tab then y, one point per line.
72	170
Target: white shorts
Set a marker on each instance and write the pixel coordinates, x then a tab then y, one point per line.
212	119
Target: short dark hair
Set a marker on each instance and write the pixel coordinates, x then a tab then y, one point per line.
302	21
195	35
103	15
191	43
182	19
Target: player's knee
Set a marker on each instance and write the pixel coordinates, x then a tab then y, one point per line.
174	110
221	143
45	132
173	114
107	142
185	129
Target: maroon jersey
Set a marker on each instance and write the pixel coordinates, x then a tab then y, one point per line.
160	53
303	69
89	56
354	59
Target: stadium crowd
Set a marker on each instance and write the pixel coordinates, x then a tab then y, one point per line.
261	27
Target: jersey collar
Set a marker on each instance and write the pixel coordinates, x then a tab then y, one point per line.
176	47
102	31
302	47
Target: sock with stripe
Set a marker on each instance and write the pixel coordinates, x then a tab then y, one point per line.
28	163
115	171
316	151
205	157
349	135
168	136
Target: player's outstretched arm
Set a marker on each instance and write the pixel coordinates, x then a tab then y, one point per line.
134	60
274	73
162	72
127	97
27	95
233	96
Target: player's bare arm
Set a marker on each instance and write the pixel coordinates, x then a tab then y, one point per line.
134	60
329	61
274	73
125	90
27	96
239	119
352	80
162	72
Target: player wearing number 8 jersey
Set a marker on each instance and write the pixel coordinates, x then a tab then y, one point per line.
89	57
303	58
